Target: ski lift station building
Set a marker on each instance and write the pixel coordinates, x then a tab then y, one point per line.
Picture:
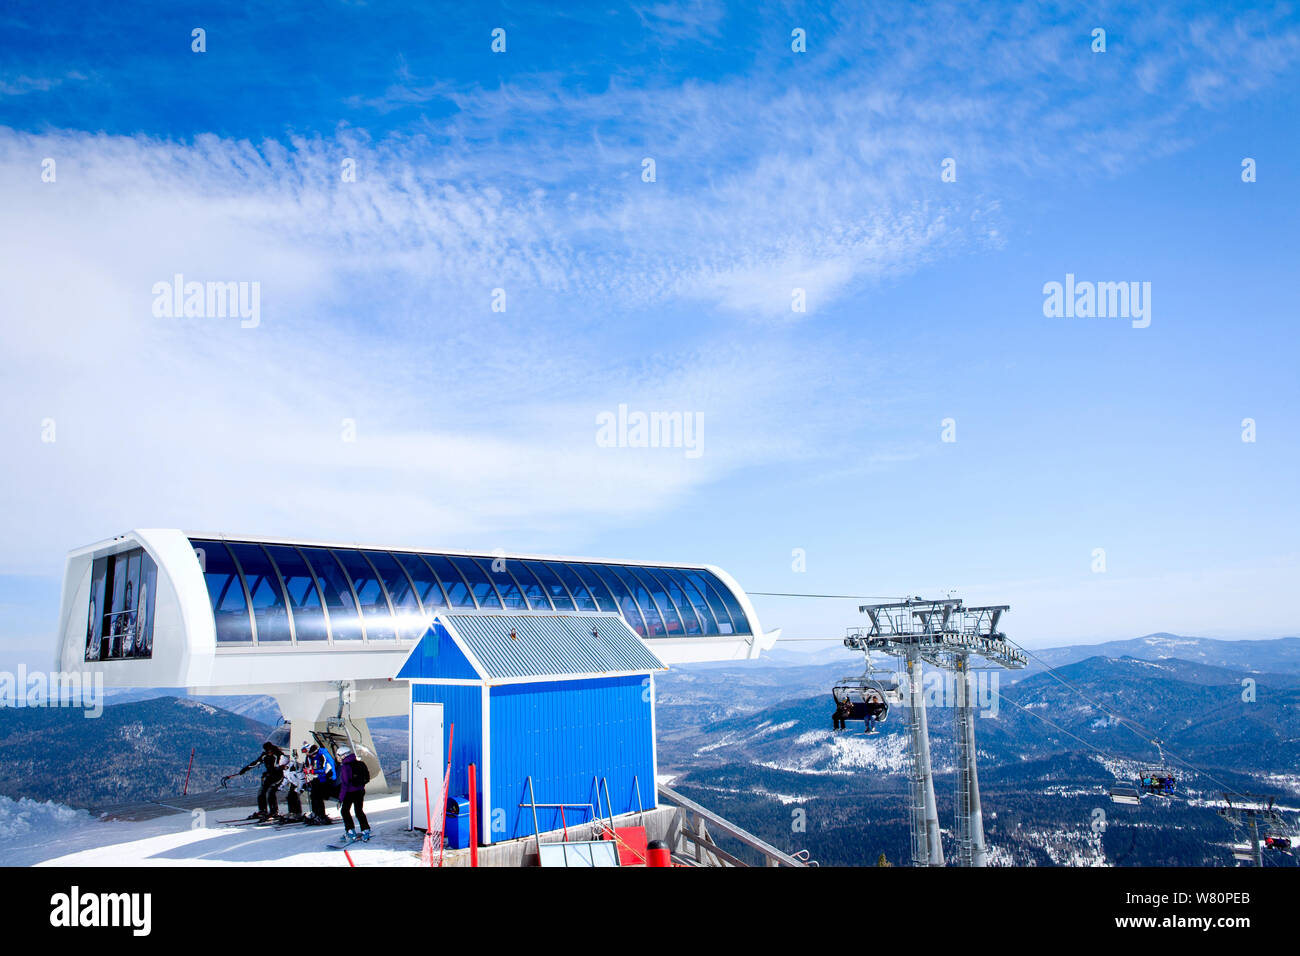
325	628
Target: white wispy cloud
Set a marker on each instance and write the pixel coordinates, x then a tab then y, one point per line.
375	294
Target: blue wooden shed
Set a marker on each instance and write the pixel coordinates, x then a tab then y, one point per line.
566	699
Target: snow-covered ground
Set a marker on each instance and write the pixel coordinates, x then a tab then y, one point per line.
33	834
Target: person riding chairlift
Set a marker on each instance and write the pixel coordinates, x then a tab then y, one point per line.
875	711
843	712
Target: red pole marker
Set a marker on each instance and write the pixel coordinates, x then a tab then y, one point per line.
349	856
187	773
473	815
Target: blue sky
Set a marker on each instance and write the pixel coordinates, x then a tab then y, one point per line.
774	170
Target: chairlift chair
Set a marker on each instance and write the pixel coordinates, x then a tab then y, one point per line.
861	691
1125	794
1158	781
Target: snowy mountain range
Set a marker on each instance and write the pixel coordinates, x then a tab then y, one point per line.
753	741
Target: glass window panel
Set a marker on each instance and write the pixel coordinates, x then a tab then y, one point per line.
625	602
532	588
484	594
144	607
701	606
124	614
426	582
225	593
512	597
270	612
581	596
345	625
453	582
738	619
309	622
649	610
597	588
375	612
719	609
411	624
96	613
553	586
690	620
117	578
673	626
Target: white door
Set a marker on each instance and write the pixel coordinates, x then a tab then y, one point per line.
427	763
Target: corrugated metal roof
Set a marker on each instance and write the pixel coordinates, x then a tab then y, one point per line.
552	644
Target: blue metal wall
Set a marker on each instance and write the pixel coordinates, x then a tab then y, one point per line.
462	706
564	733
437	657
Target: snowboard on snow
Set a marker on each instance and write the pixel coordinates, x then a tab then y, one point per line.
346	843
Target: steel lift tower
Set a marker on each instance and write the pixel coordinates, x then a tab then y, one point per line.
1249	809
944	633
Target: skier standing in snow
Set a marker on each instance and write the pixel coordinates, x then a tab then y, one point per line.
353	777
321	782
273	761
293	776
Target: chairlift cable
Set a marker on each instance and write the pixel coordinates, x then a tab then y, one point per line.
1092	746
1131	725
853	597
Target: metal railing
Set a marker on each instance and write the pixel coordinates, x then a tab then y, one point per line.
689	836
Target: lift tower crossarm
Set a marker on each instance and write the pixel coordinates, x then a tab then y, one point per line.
935	627
1249	809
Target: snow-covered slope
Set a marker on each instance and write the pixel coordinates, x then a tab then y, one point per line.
33	833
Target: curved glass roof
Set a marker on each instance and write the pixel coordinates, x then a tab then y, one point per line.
277	594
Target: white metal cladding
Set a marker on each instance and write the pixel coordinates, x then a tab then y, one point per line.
552	645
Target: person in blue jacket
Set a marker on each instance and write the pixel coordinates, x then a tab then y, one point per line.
353	776
323	781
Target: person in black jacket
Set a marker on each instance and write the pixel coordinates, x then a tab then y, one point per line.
843	711
876	709
273	762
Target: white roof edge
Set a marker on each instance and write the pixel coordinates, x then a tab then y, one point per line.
508	555
756	639
582	675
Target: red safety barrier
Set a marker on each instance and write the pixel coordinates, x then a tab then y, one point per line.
631	845
473	815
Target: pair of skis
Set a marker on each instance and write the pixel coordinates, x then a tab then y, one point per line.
258	822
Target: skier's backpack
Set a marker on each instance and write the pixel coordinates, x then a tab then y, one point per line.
360	772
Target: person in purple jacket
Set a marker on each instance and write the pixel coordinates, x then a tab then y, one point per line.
353	777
